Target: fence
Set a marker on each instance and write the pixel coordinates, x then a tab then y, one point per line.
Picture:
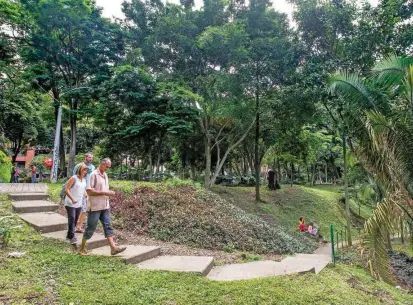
336	237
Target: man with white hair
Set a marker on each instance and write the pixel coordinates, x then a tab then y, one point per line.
98	207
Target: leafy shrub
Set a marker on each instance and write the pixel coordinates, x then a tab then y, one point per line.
201	218
402	266
5	168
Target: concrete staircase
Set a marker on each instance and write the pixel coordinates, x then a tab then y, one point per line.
31	205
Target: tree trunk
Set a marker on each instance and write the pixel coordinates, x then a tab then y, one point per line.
291	174
279	170
401	230
158	160
193	171
313	175
257	135
207	180
346	195
73	136
326	173
257	157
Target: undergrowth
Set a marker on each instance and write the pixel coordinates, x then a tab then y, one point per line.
195	217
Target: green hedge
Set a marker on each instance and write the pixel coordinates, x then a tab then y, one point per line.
5	167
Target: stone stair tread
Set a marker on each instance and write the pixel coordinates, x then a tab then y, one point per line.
198	264
325	249
28	193
253	270
98	240
33	206
28	196
133	254
316	262
45	221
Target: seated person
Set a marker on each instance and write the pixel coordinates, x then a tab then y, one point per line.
301	224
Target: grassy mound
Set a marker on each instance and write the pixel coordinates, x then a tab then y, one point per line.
285	206
195	217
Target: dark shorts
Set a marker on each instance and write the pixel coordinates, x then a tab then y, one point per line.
93	218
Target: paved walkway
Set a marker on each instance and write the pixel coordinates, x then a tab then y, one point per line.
22	188
29	200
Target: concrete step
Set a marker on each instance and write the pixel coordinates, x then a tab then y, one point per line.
46	221
318	262
132	254
28	196
34	206
254	270
324	249
97	240
198	264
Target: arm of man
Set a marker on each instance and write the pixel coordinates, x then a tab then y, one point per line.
91	188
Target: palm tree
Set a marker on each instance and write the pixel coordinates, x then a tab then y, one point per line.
380	109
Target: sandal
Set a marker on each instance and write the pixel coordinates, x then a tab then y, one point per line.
83	252
117	250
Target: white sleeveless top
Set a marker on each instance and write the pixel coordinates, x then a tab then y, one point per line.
77	191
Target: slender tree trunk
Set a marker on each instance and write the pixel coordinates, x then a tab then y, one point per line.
73	136
401	230
257	134
326	173
279	171
346	195
257	157
150	163
207	179
291	174
313	175
193	171
158	160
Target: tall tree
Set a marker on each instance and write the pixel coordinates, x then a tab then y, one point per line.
74	45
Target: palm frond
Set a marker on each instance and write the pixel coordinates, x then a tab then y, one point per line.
390	71
352	88
408	85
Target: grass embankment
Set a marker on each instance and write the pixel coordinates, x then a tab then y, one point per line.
285	206
49	273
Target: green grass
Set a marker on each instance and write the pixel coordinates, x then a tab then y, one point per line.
406	247
285	206
50	273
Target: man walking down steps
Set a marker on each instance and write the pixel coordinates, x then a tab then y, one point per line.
98	207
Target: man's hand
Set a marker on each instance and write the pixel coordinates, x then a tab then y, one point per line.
110	193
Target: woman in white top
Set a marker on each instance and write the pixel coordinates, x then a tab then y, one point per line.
75	192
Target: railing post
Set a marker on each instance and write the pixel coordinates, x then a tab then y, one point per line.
345	236
333	256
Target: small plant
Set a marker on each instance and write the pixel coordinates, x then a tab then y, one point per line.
229	248
5	230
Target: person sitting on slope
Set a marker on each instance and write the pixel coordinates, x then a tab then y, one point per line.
301	224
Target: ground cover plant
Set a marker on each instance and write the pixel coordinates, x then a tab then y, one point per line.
196	217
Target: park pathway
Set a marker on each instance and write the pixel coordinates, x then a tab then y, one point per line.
30	202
